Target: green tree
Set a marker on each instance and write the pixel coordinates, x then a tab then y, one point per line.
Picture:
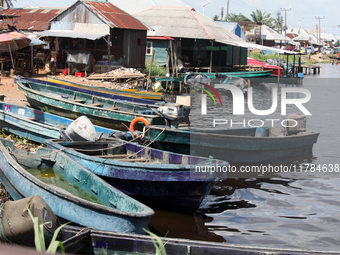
278	24
263	18
216	18
237	17
8	3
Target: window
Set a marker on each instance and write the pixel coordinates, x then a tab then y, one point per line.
149	48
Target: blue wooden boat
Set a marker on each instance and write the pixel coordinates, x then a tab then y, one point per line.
169	184
72	104
96	91
155	177
37	126
242	145
72	192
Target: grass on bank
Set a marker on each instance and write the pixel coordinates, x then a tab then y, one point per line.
308	59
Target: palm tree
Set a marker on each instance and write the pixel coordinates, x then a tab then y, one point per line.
263	18
216	18
8	3
237	17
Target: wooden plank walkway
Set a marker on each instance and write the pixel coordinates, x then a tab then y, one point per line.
308	68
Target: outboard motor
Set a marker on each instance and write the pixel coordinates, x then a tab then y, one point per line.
297	123
81	129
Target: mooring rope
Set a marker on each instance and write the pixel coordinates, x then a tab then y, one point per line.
34	156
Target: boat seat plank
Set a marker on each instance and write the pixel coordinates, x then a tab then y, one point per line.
112	156
78	100
113	108
96	104
133	160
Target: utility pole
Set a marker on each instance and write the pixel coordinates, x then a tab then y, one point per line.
227	10
222	13
284	9
319	26
205	6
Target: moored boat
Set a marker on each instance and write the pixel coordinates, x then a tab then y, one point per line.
71	191
37	126
125	92
162	182
245	74
95	91
158	178
72	104
240	145
93	242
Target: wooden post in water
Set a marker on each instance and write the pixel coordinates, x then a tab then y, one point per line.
278	77
147	81
211	55
172	62
294	66
287	66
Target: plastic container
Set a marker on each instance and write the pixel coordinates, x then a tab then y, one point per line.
81	129
79	74
65	71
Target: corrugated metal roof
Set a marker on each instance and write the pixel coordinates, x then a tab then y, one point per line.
184	22
107	13
114	16
71	34
35	19
268	34
233	27
133	6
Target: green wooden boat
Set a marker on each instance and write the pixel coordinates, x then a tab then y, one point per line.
72	104
246	74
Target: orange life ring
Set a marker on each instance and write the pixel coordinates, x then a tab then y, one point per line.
136	120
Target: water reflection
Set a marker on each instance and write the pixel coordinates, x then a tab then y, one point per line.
286	210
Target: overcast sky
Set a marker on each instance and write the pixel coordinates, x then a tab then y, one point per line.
301	11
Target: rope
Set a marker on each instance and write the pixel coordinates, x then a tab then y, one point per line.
35	156
123	143
145	146
83	230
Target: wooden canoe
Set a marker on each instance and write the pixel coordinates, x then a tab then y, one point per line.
245	74
95	91
39	126
72	192
126	92
243	145
36	125
155	177
72	104
94	242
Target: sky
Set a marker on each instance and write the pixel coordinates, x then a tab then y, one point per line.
299	12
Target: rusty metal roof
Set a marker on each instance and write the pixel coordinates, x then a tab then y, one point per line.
114	16
34	19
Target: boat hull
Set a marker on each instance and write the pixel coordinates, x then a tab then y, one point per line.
93	242
168	186
233	145
95	91
132	93
107	215
44	96
37	126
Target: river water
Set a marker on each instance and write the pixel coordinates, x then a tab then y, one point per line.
285	211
